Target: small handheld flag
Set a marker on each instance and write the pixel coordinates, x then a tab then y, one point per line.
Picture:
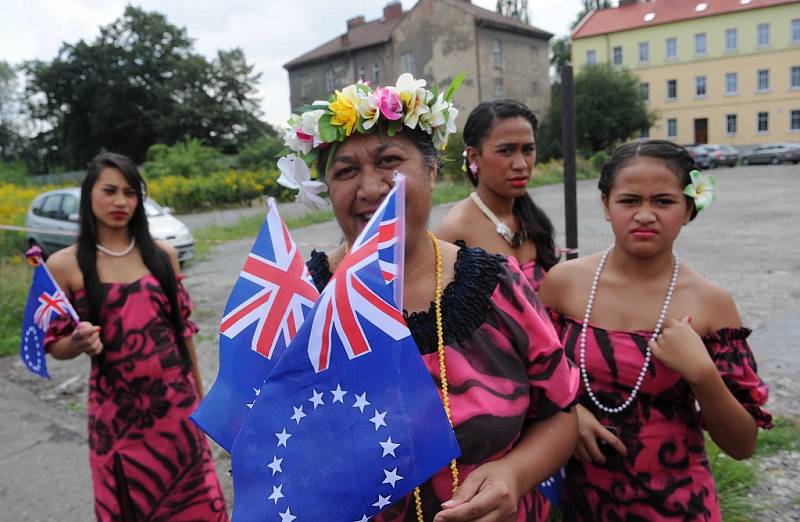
349	421
45	302
266	307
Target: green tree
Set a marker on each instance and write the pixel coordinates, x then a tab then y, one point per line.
517	9
589	6
140	83
609	109
560	54
10	139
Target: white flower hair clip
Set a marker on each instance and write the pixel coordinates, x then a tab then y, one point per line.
701	189
296	175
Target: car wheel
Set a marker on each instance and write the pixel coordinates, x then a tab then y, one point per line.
775	160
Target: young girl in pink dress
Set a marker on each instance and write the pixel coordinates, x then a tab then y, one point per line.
662	352
148	461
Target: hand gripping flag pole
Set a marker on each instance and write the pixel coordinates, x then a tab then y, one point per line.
267	305
349	421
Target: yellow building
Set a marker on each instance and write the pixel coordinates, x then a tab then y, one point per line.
715	71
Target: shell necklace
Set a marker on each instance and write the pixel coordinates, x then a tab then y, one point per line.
111	253
437	304
513	240
676	263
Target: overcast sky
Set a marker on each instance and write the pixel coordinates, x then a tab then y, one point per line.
271	32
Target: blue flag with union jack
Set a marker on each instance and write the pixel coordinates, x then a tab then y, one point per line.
349	421
45	302
267	305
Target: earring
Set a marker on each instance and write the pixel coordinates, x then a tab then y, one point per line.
473	167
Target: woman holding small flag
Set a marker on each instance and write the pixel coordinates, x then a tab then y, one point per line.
505	383
149	462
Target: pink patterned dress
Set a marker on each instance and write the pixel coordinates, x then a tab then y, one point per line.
666	474
505	366
534	273
149	461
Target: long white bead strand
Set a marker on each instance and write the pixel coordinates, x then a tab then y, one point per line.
590	302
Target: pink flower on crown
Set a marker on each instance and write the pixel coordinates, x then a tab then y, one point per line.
389	103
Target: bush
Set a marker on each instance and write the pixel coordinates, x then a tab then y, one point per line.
260	154
14	172
598	159
14	203
187	159
453	160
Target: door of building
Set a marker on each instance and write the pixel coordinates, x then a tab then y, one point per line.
701	130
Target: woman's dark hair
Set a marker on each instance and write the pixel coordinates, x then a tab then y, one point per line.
675	158
156	259
421	140
534	221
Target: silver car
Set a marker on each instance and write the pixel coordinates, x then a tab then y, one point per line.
52	223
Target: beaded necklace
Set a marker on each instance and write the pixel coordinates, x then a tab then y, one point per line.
676	263
122	253
437	304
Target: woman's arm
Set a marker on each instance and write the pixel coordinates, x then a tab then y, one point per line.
493	490
84	339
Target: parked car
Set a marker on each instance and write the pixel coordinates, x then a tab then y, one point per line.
53	222
700	155
722	155
774	153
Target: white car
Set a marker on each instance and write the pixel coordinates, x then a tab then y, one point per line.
52	223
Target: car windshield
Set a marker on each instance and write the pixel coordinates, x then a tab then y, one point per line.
151	208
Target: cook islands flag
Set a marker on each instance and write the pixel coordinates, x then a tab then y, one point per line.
349	421
45	302
267	305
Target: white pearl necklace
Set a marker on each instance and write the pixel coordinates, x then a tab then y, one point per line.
584	374
125	252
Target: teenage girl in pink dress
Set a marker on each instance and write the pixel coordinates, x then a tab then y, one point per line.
662	352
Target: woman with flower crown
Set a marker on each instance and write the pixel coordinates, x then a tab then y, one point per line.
661	350
500	216
497	361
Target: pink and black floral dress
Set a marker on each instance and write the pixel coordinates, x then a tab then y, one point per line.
505	366
666	474
148	460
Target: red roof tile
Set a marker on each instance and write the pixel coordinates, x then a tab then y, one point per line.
632	16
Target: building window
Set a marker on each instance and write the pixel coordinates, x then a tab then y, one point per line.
763	122
498	87
644	52
330	80
672	128
796	30
763	80
700	86
731	83
497	54
376	73
362	74
644	88
700	44
795	77
672	48
731	39
617	55
408	62
763	35
672	89
305	86
794	120
591	57
644	133
730	124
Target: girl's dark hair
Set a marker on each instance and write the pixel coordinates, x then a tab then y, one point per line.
421	140
156	259
675	158
534	221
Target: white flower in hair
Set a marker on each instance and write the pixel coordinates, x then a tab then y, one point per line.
296	175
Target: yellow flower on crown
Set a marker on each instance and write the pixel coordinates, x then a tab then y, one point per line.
345	109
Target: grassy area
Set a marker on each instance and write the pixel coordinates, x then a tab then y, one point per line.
14	286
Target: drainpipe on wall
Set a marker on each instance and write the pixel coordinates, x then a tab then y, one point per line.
478	63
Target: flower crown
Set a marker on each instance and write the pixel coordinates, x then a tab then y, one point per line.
701	189
358	108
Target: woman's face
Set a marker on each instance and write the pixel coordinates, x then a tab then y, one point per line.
361	174
646	207
506	156
113	199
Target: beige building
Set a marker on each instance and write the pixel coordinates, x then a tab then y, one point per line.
716	71
436	39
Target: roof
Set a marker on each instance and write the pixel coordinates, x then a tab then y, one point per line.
658	12
380	31
358	37
494	19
